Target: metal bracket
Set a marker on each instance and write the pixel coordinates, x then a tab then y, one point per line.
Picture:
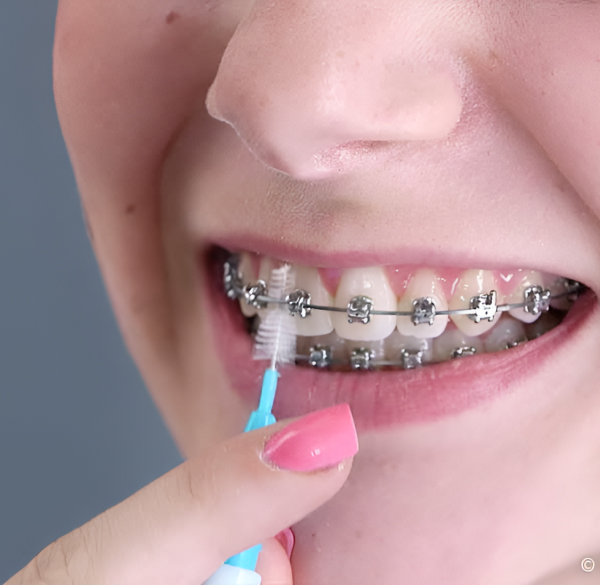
320	356
297	302
423	311
463	351
232	279
252	292
411	358
359	310
485	306
536	300
572	288
361	357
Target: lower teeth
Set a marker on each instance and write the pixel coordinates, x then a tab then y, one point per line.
399	352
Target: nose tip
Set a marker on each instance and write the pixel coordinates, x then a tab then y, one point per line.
291	106
270	126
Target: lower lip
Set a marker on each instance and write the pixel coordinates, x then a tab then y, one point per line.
383	399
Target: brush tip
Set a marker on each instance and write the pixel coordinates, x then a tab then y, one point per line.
276	335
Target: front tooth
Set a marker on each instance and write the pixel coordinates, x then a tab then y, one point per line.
527	279
471	284
317	322
246	268
451	340
373	283
424	283
506	334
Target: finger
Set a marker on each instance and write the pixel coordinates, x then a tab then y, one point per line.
184	525
274	564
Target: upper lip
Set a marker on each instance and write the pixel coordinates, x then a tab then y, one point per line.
453	218
489	197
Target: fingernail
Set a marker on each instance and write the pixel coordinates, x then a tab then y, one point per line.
316	441
286	540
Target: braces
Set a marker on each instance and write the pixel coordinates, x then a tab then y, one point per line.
360	309
363	358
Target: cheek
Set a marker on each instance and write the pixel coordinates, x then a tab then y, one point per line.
547	72
128	73
126	76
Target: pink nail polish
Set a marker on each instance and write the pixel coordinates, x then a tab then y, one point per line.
316	441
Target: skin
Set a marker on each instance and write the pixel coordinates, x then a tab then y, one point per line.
467	132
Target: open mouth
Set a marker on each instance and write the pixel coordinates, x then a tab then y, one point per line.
403	342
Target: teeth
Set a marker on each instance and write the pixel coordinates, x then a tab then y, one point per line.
528	278
451	340
471	284
266	267
506	334
355	337
424	283
558	286
246	267
397	342
331	340
375	349
264	274
339	351
372	283
318	322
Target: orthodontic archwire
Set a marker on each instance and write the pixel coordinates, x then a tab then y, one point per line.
360	309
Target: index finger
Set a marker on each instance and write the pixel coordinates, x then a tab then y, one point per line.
182	527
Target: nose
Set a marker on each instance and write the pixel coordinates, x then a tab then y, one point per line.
302	77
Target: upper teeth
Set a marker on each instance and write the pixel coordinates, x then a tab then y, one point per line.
319	322
365	308
361	292
424	298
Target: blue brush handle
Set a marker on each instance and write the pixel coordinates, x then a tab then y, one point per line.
260	418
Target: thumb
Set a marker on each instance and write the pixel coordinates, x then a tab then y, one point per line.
182	527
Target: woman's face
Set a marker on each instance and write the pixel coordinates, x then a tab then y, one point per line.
432	137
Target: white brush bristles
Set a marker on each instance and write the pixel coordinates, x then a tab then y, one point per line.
276	335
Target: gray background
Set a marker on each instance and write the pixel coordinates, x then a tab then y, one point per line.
78	432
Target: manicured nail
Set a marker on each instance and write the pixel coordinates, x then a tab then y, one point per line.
286	540
316	441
